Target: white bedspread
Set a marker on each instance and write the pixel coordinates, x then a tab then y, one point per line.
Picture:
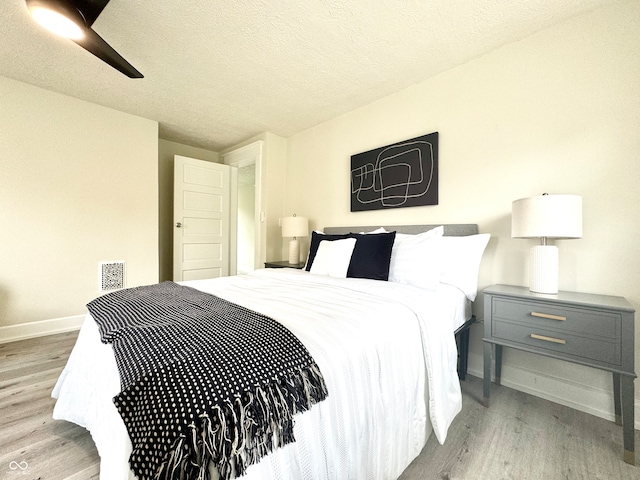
375	343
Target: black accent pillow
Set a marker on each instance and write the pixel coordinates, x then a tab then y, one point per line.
371	256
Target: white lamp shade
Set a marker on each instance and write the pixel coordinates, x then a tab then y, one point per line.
550	216
295	227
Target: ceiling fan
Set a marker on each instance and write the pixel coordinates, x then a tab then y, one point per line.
73	19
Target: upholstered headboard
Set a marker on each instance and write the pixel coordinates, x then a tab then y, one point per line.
450	229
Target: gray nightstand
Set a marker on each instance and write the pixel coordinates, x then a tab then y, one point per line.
593	330
284	264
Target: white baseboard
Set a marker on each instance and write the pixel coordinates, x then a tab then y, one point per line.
41	328
585	398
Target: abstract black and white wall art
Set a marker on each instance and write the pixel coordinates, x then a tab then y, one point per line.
404	174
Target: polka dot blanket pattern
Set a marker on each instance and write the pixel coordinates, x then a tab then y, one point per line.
203	380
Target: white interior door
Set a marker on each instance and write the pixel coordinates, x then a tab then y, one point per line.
201	215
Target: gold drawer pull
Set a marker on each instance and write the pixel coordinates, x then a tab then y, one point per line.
549	316
548	339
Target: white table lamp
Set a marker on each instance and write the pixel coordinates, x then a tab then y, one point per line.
295	227
546	216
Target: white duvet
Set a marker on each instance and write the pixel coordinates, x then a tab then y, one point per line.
376	344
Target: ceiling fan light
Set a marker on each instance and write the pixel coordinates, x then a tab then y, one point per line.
57	22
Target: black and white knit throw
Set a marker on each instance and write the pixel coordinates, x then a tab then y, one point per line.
203	380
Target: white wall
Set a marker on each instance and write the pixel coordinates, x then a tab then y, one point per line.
557	112
78	185
166	152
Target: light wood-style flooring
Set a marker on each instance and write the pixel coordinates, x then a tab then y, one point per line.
519	437
523	437
32	445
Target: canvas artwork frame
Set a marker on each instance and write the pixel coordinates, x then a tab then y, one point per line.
403	174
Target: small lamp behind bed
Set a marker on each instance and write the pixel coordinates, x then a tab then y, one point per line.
294	227
546	216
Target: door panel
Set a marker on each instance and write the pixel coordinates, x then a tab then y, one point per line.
202	201
201	238
202	274
198	175
194	227
205	252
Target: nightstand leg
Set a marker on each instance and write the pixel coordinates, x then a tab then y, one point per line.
498	364
486	383
628	419
616	398
464	354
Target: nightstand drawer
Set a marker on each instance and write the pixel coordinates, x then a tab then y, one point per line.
576	346
558	317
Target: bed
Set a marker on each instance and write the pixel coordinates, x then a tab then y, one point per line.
387	351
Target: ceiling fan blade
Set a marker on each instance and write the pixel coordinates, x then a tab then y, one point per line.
92	42
90	9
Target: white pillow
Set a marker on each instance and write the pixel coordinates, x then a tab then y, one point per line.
416	259
461	258
333	257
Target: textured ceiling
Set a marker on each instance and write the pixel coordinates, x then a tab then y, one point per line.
218	72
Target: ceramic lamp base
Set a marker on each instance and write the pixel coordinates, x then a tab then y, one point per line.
294	252
543	277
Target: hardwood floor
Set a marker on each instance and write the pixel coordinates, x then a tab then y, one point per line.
523	437
33	445
519	437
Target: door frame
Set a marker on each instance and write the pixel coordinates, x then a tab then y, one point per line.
251	154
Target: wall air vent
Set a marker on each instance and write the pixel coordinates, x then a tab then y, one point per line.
111	276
